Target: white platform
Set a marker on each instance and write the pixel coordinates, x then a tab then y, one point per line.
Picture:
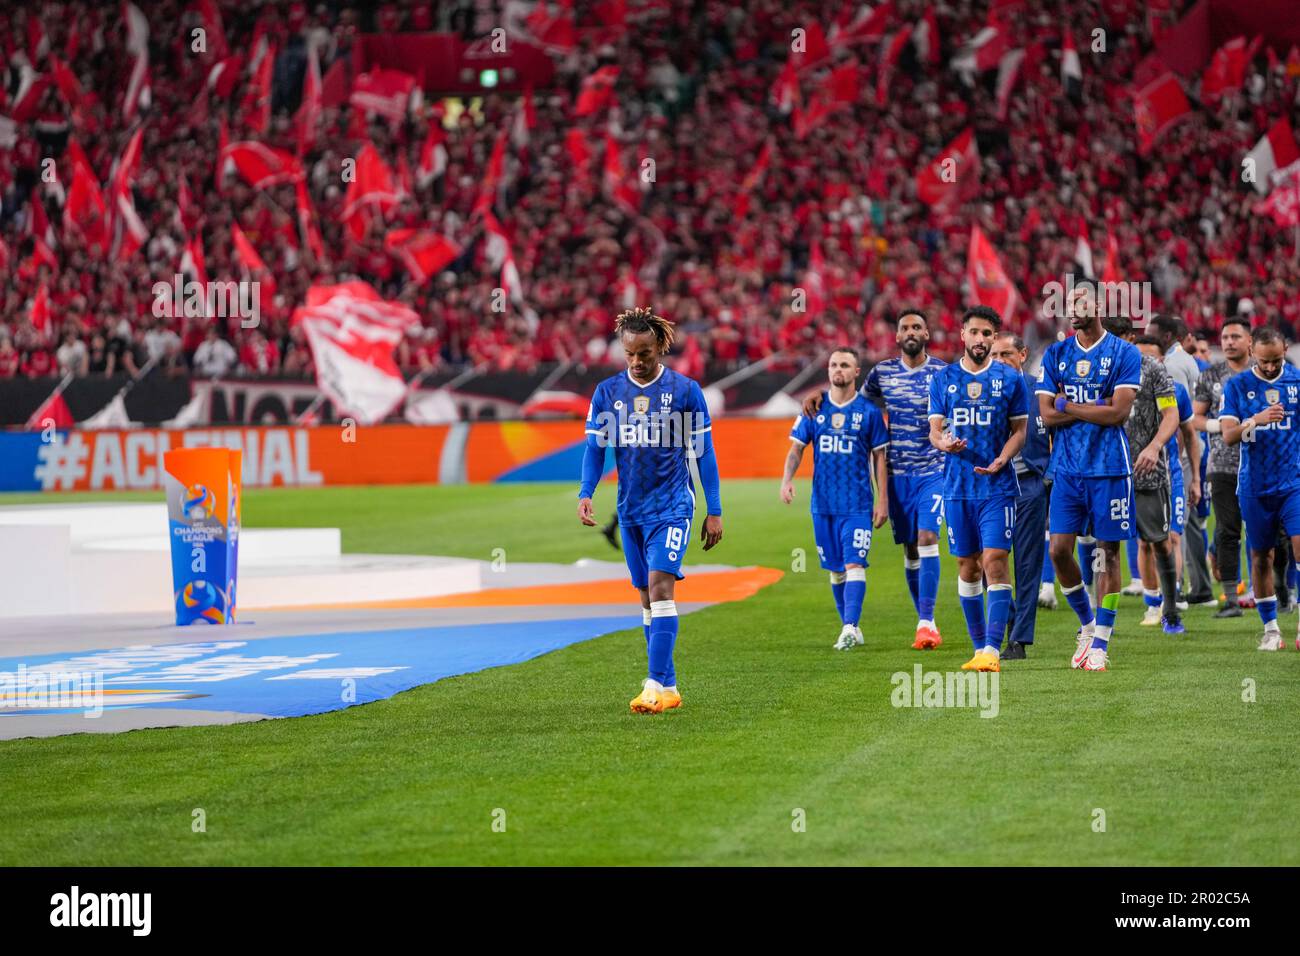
112	558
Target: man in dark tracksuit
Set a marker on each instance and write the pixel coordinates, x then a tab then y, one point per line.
1029	542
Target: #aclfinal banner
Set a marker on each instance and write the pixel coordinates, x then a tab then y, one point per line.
204	492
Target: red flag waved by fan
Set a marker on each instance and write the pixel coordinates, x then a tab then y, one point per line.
953	176
352	332
989	283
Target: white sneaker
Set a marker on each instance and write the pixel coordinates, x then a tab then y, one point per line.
1133	588
1047	595
1083	641
1096	660
847	638
1151	618
857	636
1272	641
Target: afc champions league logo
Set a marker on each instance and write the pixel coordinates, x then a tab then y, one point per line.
974	390
198	503
1082	368
199	599
837	421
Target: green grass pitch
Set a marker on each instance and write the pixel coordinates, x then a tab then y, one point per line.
776	728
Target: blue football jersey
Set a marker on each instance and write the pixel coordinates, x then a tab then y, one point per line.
905	395
1270	461
1184	415
979	407
1082	449
842	439
650	427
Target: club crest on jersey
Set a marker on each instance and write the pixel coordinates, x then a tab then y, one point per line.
641	404
1082	368
996	385
974	389
1272	396
665	399
837	421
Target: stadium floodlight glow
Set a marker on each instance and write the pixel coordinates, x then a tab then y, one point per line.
488	78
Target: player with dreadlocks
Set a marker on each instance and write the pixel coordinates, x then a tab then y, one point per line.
656	421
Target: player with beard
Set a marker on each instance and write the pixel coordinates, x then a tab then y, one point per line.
901	388
978	411
1086	387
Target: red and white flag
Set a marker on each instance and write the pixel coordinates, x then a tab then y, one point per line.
433	155
421	252
224	75
554	33
1283	203
989	283
785	91
499	255
352	332
257	100
982	52
926	37
1276	150
492	175
192	263
525	120
1008	73
1226	72
597	91
132	233
1071	69
246	255
137	45
953	176
385	92
260	165
867	26
1157	107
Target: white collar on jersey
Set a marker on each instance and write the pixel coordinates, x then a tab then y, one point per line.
962	362
837	404
1082	348
1280	373
662	366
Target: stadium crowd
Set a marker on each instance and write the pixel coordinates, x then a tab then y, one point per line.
694	93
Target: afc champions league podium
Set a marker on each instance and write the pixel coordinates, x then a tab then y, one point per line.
204	502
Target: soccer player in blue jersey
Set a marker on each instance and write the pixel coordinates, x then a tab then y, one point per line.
1261	412
1086	387
901	388
1184	495
656	421
848	439
978	411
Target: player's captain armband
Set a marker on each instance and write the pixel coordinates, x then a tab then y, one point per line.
1166	401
